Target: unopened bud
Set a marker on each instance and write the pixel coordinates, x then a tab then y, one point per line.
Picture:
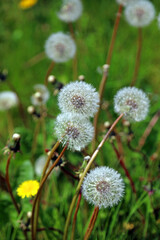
51	79
16	136
30	109
81	77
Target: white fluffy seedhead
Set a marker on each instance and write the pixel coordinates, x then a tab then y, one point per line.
41	95
60	47
133	102
70	11
125	2
75	130
140	13
79	97
103	187
8	100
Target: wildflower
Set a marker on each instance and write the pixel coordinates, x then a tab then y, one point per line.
60	47
8	100
140	13
74	130
103	187
79	97
24	4
41	96
28	188
70	11
133	102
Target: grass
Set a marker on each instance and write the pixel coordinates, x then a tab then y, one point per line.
23	34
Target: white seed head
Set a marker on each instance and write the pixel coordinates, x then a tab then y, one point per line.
140	13
125	2
40	163
75	130
79	97
30	109
103	187
8	100
60	47
158	19
133	102
41	96
70	11
16	136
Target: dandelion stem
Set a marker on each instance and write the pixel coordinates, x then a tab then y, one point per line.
8	184
105	73
75	56
48	73
121	161
92	223
84	174
10	190
75	216
148	130
34	217
138	56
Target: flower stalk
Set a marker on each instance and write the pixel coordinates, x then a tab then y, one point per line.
91	223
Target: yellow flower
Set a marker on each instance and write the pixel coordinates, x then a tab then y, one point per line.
28	188
24	4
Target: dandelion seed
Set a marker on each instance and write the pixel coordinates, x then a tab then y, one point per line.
125	2
24	4
103	187
79	97
140	13
28	188
133	102
70	11
41	96
60	47
75	130
8	100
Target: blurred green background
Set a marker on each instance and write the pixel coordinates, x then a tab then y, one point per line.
22	36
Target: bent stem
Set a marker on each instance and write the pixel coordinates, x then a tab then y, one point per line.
8	184
10	190
138	56
91	223
75	216
121	161
84	174
48	73
105	73
148	130
35	203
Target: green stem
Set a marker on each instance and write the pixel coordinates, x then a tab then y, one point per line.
35	216
105	73
84	174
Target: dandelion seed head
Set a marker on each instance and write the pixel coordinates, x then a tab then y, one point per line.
28	188
41	95
103	187
79	97
75	130
60	47
8	99
125	2
70	11
133	102
140	13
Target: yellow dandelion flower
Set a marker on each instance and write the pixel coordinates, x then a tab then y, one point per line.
24	4
28	188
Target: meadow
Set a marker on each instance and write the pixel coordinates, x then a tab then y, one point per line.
131	148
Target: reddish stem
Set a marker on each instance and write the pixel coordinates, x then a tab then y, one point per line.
75	216
48	73
125	169
91	223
